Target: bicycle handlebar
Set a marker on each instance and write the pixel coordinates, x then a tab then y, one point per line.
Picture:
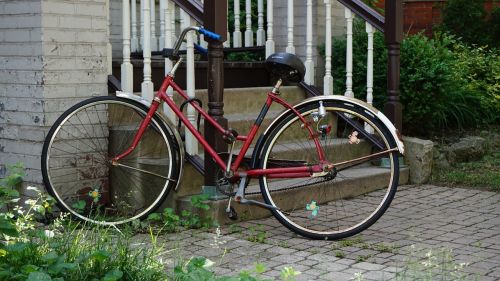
200	49
209	34
200	30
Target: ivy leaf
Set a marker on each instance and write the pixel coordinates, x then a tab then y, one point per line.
14	179
50	257
113	275
100	255
3	253
7	227
79	206
154	217
29	268
38	276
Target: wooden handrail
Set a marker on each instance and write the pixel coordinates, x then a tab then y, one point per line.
366	12
194	8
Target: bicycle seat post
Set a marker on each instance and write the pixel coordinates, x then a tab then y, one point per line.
276	89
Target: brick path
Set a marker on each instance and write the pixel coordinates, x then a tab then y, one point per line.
420	219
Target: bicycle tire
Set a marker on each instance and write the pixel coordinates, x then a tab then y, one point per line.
341	211
76	165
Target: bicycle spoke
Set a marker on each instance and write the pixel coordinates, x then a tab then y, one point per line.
78	166
144	171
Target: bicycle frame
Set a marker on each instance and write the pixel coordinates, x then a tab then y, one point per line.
272	96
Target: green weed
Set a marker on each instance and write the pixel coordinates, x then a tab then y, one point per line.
340	254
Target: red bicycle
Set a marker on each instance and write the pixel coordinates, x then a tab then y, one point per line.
113	159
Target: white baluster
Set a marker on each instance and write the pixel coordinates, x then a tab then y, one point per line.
248	30
126	68
147	86
141	13
269	41
227	43
328	79
309	63
290	48
109	48
154	39
135	41
261	34
185	20
237	28
369	70
172	21
348	83
169	29
191	143
161	39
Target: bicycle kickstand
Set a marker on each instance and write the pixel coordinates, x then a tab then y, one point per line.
240	196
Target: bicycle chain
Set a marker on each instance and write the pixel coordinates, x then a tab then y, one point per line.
293	187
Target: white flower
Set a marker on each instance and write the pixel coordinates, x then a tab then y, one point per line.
33	188
208	263
49	233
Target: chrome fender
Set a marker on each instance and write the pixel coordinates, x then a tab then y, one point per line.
173	132
395	133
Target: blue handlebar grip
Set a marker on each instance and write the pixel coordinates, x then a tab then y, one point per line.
200	49
209	34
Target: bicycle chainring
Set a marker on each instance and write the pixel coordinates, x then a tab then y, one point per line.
225	185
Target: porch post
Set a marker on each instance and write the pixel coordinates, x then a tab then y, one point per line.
215	19
393	38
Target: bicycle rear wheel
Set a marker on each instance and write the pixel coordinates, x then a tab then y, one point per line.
341	202
78	172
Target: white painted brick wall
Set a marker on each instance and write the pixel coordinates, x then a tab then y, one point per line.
52	55
20	79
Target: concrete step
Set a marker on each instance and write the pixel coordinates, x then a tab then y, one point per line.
249	100
365	179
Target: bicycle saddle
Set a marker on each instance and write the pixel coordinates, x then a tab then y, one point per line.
286	66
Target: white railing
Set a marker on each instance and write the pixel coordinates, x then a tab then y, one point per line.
140	34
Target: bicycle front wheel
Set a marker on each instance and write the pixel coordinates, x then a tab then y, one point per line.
343	201
76	164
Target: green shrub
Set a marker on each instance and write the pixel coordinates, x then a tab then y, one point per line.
466	19
478	71
432	95
494	27
444	83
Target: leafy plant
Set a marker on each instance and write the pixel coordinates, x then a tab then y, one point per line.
8	196
437	264
195	218
494	27
482	173
257	235
339	254
444	83
466	19
199	269
288	274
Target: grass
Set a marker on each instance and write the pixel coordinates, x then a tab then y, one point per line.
484	173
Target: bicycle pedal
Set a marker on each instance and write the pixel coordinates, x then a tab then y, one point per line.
231	213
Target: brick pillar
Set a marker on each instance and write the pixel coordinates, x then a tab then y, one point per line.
52	55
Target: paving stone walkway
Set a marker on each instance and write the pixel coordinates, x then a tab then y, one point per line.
455	225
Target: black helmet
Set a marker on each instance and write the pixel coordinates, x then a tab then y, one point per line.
286	66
